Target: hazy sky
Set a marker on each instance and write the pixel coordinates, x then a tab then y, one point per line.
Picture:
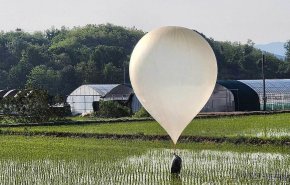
262	21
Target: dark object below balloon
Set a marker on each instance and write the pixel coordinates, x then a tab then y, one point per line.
176	164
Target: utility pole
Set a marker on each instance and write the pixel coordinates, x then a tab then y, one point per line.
264	84
124	75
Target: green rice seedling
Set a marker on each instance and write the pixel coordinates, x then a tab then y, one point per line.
199	166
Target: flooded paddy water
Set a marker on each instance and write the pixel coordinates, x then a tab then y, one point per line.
153	167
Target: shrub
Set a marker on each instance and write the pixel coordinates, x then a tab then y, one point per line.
27	104
31	105
60	112
142	113
112	109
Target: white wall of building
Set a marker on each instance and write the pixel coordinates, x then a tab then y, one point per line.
81	100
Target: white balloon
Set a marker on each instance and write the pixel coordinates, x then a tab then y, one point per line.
173	72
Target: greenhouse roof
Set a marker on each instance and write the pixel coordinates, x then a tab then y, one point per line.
273	86
8	93
2	93
246	99
120	92
102	89
11	93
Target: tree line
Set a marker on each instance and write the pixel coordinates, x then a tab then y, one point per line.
60	60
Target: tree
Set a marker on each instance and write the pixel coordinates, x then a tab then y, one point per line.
100	53
35	55
142	113
18	75
112	109
42	77
88	73
3	79
112	73
250	64
29	105
287	47
68	80
51	33
7	59
59	61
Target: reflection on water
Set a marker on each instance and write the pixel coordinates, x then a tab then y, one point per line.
266	133
199	166
175	179
272	133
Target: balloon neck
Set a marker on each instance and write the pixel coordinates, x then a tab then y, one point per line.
174	148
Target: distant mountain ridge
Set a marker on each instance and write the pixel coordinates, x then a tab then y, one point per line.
277	48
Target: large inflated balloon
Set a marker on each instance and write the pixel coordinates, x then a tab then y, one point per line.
173	72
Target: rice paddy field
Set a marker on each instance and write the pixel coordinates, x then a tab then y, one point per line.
50	160
263	126
28	159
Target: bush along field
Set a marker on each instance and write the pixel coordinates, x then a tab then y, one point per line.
31	105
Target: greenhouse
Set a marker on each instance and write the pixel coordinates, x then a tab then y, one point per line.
119	93
84	97
245	98
8	93
124	93
247	95
277	93
135	103
2	93
221	100
228	95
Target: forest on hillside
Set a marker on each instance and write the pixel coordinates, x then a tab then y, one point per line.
60	60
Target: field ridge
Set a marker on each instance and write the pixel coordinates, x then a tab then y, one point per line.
203	115
234	139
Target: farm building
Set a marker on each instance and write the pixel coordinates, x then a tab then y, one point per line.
277	93
2	93
245	98
121	92
228	95
221	100
124	94
81	100
86	98
247	95
8	93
